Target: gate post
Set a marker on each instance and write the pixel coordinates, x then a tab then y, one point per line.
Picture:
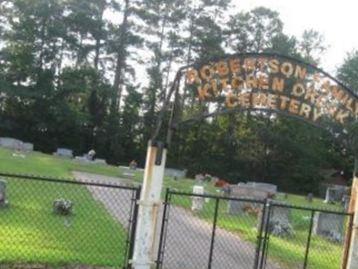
353	208
144	253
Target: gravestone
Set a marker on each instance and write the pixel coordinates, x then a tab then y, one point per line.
100	161
329	196
197	201
329	225
199	178
335	194
3	201
236	207
128	175
81	159
245	191
28	146
270	188
278	219
280	213
63	152
248	191
11	143
91	154
309	197
171	172
345	202
226	190
214	180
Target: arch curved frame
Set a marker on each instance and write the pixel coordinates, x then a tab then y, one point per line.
175	88
268	54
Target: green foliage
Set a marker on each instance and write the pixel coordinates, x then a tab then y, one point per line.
312	46
71	76
254	31
348	72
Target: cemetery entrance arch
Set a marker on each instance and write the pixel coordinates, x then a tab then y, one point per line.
262	83
265	83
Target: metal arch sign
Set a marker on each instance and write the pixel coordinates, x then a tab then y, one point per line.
271	82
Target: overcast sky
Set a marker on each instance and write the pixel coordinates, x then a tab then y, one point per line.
337	20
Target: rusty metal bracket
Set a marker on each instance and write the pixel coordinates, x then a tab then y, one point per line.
159	156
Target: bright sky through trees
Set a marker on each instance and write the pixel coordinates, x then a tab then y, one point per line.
336	20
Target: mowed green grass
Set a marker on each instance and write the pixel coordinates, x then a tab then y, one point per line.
43	164
31	233
81	243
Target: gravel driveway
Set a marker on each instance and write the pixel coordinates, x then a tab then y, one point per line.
188	238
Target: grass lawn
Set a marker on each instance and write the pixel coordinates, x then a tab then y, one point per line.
30	232
48	165
95	238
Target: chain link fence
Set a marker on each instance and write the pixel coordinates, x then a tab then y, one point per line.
58	222
61	222
206	231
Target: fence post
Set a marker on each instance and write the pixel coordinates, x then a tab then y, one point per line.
353	208
211	253
259	236
144	253
162	230
267	234
133	224
309	240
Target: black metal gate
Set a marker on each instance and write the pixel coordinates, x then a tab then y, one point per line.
248	234
320	237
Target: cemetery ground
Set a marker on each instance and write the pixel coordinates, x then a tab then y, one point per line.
75	244
286	251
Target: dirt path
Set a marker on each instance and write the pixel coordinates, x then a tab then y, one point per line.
188	238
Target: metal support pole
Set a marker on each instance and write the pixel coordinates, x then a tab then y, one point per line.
353	208
162	230
267	235
133	223
259	236
144	248
211	253
309	240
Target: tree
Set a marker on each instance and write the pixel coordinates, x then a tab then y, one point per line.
124	37
254	31
348	72
285	45
312	46
163	19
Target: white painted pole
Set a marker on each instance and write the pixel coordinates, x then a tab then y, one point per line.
353	208
144	253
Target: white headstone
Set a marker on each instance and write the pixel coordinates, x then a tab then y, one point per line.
197	201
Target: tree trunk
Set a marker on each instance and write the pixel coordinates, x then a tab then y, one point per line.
121	61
